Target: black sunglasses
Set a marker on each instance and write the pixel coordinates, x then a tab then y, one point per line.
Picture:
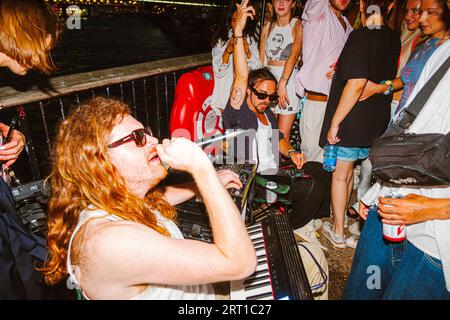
262	95
139	136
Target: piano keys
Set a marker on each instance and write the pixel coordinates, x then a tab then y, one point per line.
280	274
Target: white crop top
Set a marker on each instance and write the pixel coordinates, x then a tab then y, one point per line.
279	42
153	291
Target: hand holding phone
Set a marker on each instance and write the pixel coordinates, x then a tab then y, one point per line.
13	143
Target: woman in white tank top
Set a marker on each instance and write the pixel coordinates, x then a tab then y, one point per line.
222	56
280	48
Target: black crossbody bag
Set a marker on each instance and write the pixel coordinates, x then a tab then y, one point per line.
409	159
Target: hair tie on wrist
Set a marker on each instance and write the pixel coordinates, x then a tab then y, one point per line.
241	36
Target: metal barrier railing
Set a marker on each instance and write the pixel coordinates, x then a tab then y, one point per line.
148	88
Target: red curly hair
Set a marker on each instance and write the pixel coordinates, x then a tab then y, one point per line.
29	29
84	175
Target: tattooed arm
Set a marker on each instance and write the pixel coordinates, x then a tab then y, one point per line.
239	87
413	208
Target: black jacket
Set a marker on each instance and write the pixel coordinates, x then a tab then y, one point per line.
244	119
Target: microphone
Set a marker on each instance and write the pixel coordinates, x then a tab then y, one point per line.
226	136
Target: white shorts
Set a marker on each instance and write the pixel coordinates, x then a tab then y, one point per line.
294	100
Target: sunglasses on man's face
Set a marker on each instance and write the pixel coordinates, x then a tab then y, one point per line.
263	95
139	136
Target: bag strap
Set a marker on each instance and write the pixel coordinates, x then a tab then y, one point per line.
409	114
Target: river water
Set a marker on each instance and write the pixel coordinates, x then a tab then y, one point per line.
105	42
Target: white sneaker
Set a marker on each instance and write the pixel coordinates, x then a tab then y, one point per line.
308	233
337	241
346	220
352	242
355	228
317	224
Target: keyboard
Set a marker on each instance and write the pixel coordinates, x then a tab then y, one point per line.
280	274
193	218
193	221
241	197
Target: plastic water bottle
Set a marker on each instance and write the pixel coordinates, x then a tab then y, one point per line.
330	157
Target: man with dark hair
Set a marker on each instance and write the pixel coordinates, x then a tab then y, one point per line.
249	108
260	75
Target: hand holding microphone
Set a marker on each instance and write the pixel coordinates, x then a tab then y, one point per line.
183	154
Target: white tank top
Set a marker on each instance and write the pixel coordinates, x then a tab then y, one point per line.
264	147
152	291
279	42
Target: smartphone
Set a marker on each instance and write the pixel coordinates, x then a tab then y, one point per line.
12	125
3	141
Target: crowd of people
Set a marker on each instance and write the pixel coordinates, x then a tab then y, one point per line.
351	81
112	224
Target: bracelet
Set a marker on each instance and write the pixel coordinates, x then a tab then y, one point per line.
390	87
241	36
229	52
283	77
291	151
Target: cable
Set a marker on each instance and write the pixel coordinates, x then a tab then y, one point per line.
322	272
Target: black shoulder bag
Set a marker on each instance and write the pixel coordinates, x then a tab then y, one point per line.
400	158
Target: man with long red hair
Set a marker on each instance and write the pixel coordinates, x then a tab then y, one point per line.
111	227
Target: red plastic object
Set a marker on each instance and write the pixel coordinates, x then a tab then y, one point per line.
192	115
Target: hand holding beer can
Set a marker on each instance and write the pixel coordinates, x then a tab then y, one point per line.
394	233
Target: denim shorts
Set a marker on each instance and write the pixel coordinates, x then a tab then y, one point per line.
352	154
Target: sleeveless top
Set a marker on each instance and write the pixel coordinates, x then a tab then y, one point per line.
279	42
152	291
411	72
263	146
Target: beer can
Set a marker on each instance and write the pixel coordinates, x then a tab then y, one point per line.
271	196
393	233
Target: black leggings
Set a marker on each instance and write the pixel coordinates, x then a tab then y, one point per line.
310	197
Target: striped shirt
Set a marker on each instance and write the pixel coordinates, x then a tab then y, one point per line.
323	40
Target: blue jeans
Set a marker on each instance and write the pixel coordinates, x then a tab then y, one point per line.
391	271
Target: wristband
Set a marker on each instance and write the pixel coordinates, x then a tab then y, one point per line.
291	151
241	36
390	88
283	77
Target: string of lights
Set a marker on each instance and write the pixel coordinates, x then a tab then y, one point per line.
134	2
